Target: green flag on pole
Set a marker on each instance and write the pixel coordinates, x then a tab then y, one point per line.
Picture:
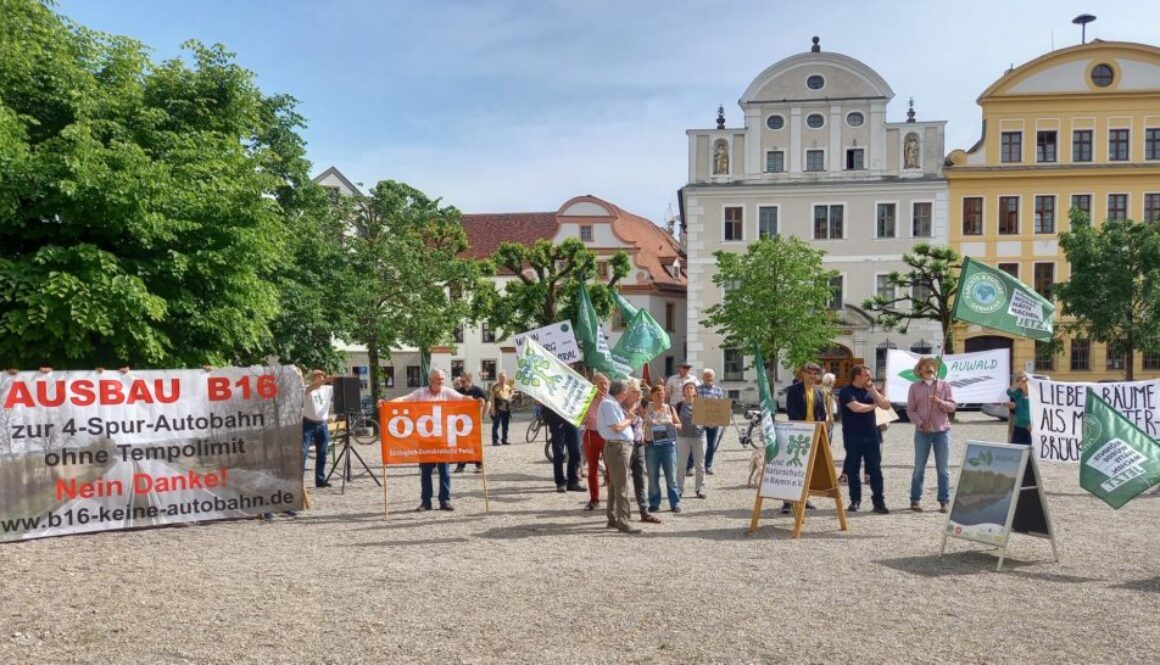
592	341
643	340
993	299
627	311
1119	461
768	406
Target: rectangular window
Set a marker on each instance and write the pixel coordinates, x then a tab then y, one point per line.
1114	358
1045	214
1118	146
855	159
815	160
602	269
363	374
1045	146
886	227
413	376
1152	361
456	368
1152	143
973	216
1011	147
883	288
733	223
1081	355
1081	145
1044	278
1008	215
921	293
669	371
775	161
388	374
920	224
828	222
488	333
734	395
767	222
457	334
1117	206
1151	207
836	284
670	317
734	365
1083	203
1010	268
586	233
617	319
1044	361
486	370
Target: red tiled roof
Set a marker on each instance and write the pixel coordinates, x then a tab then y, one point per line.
486	231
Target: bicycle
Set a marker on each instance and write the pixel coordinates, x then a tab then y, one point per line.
754	436
537	424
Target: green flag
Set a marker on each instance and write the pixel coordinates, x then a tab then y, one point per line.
768	406
1119	461
627	311
643	340
592	341
991	298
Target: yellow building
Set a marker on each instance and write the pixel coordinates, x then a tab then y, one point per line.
1076	127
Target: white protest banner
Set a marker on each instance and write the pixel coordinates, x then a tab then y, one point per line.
1057	413
982	377
785	461
552	383
98	451
557	338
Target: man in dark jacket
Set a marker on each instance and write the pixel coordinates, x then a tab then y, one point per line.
804	401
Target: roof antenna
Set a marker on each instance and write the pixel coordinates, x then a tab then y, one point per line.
1082	20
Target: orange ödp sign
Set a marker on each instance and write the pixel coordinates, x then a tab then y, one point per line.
415	432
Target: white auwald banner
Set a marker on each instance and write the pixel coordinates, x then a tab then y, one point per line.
1057	413
981	377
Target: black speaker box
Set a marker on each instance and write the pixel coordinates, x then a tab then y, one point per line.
346	395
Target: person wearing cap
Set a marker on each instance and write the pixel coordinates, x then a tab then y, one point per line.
675	386
929	404
805	401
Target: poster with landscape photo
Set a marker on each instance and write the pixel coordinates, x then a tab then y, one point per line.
986	492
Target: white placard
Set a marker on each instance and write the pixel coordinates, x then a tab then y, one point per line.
557	338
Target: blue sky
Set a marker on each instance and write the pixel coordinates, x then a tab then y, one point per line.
518	105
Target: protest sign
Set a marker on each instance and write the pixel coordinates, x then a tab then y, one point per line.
93	451
552	383
885	416
1057	410
419	432
557	338
993	299
798	465
975	378
1119	461
710	412
998	493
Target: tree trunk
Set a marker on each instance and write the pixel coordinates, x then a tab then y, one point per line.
1130	355
373	359
948	329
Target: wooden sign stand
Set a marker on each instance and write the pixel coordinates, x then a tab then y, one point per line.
821	481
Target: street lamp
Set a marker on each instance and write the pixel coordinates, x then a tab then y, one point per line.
1082	20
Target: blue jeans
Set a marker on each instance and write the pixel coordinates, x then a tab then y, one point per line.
501	419
712	438
316	433
425	471
660	456
923	442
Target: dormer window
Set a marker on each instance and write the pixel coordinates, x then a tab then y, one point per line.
586	233
675	269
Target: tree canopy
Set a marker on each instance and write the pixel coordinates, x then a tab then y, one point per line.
926	291
1113	293
143	205
777	297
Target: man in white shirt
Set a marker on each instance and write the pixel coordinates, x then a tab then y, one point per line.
675	386
615	427
435	391
315	413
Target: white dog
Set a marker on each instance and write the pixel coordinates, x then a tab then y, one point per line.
756	466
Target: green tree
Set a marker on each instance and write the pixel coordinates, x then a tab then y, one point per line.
926	291
1113	294
142	205
777	299
544	288
403	249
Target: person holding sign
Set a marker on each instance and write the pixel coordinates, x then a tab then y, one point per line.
660	436
929	404
690	440
615	428
435	392
712	434
860	436
1020	406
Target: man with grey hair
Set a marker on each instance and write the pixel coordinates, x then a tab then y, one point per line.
615	427
434	391
708	389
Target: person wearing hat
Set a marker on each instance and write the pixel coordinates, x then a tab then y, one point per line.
805	402
675	386
929	404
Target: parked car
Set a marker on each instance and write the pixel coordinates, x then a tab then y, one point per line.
999	409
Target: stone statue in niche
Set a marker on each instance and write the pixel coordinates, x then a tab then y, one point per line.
910	151
721	159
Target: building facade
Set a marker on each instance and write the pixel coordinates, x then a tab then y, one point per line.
1078	127
815	158
656	282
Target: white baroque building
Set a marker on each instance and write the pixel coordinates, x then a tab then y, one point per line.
815	158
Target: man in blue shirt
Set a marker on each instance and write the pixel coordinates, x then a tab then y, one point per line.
708	389
860	435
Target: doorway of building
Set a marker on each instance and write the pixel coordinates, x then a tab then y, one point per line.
838	360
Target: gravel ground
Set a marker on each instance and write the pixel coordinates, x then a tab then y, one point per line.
540	580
